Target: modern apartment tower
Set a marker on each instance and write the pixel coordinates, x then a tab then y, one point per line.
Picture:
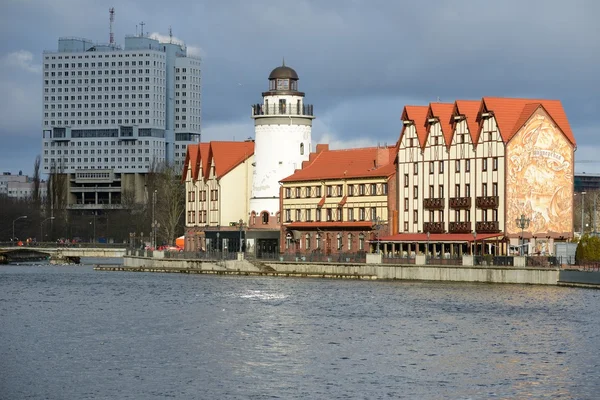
112	114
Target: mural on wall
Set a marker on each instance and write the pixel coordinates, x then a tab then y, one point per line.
539	166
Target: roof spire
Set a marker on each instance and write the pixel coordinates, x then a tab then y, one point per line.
283	62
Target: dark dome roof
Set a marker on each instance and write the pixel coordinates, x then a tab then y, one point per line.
283	72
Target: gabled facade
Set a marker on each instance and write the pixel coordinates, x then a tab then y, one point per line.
341	201
478	166
218	181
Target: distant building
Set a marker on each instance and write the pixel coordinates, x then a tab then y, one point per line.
340	201
468	171
586	182
20	186
112	114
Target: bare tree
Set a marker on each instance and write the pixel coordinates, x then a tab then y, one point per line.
35	196
170	202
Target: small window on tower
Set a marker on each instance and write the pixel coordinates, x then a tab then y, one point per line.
301	149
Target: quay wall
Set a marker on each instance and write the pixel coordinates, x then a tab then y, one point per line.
487	274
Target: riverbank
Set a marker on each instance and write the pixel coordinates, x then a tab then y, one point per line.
442	273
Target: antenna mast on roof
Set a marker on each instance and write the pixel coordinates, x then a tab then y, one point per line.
111	17
170	35
142	25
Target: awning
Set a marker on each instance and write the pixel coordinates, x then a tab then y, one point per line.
439	237
343	201
321	202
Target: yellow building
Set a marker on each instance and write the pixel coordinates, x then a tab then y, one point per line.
218	182
341	201
484	176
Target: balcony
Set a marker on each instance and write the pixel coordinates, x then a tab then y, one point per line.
433	227
460	202
304	110
487	227
460	227
487	202
434	203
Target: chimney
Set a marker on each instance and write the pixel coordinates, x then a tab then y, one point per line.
322	147
382	157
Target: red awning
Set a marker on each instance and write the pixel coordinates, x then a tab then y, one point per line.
343	201
438	237
321	202
330	224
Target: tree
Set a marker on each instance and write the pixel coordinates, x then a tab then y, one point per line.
588	250
35	196
170	201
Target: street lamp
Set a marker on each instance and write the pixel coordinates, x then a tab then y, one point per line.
522	223
13	233
241	223
42	228
582	198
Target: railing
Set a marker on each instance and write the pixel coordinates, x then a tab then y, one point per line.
460	202
487	201
490	259
450	260
319	257
487	226
433	227
201	255
398	259
459	227
543	261
288	109
433	203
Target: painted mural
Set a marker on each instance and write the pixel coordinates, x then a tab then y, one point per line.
539	166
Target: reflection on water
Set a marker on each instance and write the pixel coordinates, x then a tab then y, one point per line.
71	332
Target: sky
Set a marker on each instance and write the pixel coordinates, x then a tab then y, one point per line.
359	61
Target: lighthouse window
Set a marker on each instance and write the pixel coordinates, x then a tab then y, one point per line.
283	84
301	149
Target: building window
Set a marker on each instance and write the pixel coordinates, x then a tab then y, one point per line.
297	192
329	215
214	195
373	189
416	216
301	149
298	215
441	191
441	167
431	216
318	241
361	214
318	191
415	192
457	190
484	164
484	189
339	241
265	218
431	192
406	204
350	190
191	196
308	214
384	188
457	166
361	241
329	190
318	215
467	190
441	215
431	167
405	180
288	193
494	189
307	189
405	226
457	215
339	213
373	213
349	244
307	241
361	189
416	168
468	165
495	163
350	214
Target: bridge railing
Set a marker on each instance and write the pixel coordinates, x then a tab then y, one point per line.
54	245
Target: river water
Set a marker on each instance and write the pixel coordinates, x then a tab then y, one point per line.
69	332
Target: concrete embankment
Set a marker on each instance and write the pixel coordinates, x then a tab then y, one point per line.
487	274
578	278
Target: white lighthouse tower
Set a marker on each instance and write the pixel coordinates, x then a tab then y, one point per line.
282	127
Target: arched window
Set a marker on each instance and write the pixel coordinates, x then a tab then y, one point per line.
349	246
361	242
265	218
318	241
253	218
301	149
339	241
307	241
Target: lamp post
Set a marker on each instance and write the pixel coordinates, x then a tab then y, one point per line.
376	224
522	223
13	232
241	223
582	198
42	228
427	250
474	252
218	235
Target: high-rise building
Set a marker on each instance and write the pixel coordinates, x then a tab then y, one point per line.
112	114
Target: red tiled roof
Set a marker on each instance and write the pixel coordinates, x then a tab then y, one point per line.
470	109
228	155
443	111
332	224
349	163
511	114
437	237
417	114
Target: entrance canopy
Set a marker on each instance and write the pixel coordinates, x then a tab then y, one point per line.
438	237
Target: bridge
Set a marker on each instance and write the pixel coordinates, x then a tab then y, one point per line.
27	253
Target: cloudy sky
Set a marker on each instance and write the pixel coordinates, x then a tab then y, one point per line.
359	61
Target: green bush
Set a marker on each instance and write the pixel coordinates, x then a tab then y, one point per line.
588	249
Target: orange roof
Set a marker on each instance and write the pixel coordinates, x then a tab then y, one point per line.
443	111
437	237
350	163
331	224
418	115
228	155
469	109
511	114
